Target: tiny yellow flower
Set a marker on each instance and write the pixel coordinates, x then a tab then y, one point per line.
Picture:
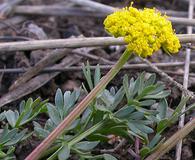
145	31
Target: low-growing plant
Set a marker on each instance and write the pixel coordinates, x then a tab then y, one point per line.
136	110
8	140
15	131
27	111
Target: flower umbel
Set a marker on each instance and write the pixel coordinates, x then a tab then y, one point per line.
145	31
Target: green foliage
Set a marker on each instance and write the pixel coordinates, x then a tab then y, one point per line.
137	109
92	82
163	121
8	139
64	103
27	111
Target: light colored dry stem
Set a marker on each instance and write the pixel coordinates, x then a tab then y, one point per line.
186	77
74	43
103	67
63	10
172	141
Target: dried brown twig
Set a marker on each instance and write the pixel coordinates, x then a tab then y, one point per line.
74	43
55	10
103	67
60	10
100	10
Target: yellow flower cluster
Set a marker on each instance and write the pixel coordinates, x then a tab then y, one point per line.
145	31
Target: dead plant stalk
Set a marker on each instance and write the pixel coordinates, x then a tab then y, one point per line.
75	43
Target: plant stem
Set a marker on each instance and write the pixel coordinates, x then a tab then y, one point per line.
76	139
172	141
50	151
41	148
86	133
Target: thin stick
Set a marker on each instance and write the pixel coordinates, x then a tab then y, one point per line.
172	141
170	79
183	21
101	10
186	77
94	57
104	67
60	10
55	10
74	43
95	6
61	43
79	68
14	38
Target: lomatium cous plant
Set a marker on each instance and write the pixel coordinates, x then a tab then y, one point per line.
145	31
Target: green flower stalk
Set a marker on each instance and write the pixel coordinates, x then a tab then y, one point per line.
145	32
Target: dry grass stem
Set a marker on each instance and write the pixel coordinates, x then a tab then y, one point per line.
74	43
186	78
172	141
